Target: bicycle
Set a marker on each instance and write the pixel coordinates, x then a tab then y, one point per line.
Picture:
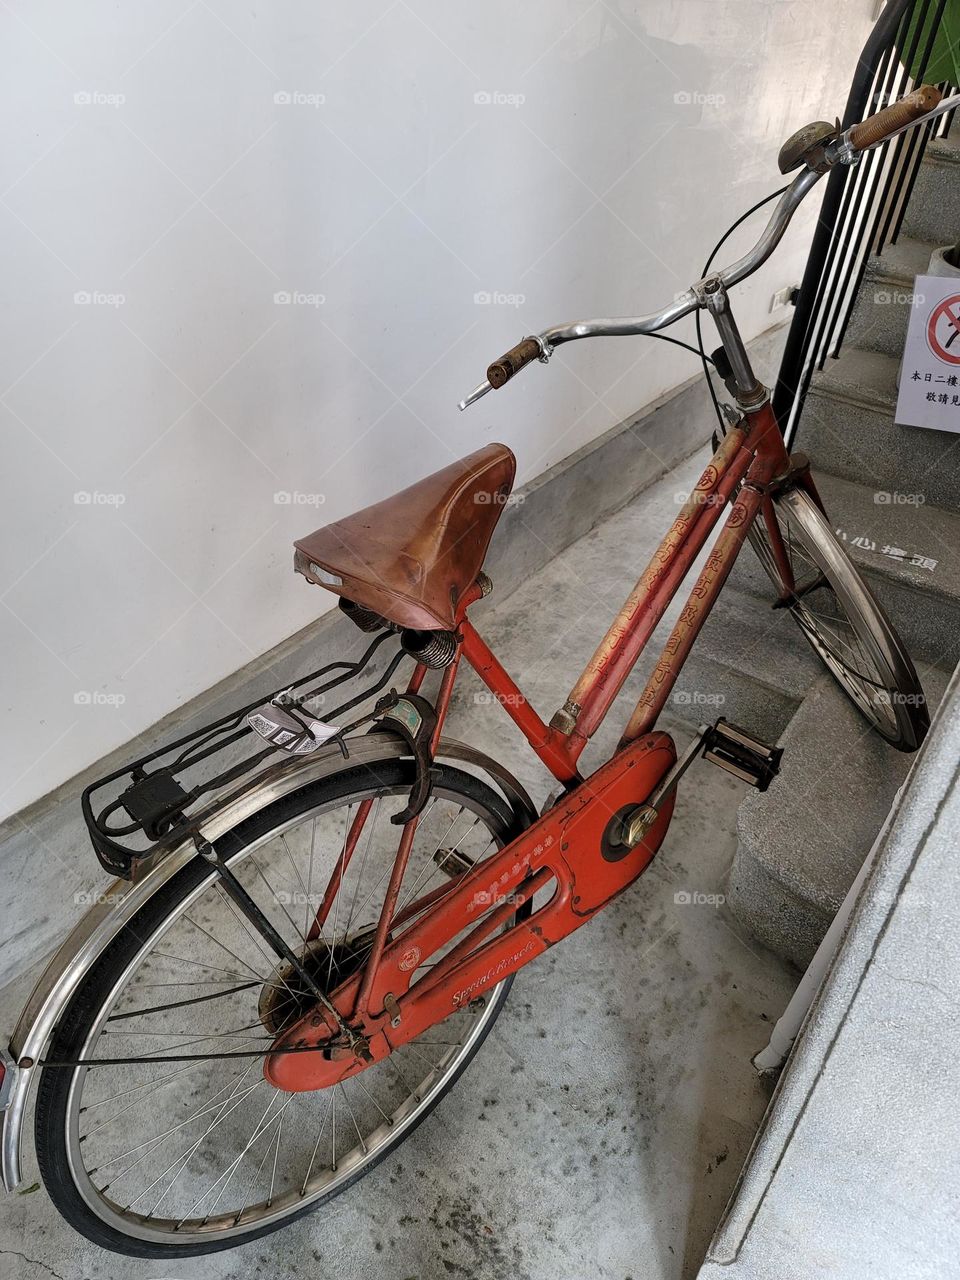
303	953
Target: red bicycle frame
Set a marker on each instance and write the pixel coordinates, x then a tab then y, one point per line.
748	458
570	848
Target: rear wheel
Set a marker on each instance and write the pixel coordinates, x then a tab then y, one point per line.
177	1158
846	626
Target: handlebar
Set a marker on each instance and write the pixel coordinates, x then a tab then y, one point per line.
898	116
922	104
502	370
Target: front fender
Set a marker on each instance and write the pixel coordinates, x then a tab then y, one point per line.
92	935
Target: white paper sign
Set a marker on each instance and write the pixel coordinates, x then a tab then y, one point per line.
930	376
299	735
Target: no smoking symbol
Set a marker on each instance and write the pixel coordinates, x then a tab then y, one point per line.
943	330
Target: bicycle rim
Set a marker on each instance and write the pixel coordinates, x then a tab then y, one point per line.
275	1155
843	622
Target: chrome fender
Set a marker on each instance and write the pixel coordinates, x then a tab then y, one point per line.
91	936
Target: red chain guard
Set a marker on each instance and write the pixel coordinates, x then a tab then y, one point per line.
568	847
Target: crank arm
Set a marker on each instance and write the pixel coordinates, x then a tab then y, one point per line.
724	745
638	823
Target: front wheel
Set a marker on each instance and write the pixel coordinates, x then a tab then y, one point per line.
837	613
175	1158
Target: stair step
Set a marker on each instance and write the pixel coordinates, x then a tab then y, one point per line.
848	429
881	311
802	842
936	193
923	603
888	488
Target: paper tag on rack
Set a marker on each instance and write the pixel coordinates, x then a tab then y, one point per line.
299	734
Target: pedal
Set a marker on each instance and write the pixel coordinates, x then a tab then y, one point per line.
746	757
723	744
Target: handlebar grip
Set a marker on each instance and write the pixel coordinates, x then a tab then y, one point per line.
875	128
502	370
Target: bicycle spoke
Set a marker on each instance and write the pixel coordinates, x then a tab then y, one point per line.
363	861
343	862
303	888
273	893
309	893
363	1145
203	964
191	1151
151	1144
182	1004
154	1143
225	1178
257	939
316	1147
218	943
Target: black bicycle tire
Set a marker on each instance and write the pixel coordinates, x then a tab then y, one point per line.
54	1085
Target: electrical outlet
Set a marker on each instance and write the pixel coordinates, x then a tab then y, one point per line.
783	297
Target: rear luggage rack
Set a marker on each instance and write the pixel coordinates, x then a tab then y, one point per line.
168	792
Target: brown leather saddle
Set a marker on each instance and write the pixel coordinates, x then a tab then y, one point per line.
412	557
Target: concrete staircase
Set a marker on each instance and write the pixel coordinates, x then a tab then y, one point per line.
893	494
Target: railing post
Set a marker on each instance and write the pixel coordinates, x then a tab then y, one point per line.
788	388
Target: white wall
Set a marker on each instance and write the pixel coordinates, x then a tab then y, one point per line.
152	160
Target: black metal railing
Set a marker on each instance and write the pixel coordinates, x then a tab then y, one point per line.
863	207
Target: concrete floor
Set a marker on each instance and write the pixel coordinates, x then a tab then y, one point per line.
601	1128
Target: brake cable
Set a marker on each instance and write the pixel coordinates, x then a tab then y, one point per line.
704	358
